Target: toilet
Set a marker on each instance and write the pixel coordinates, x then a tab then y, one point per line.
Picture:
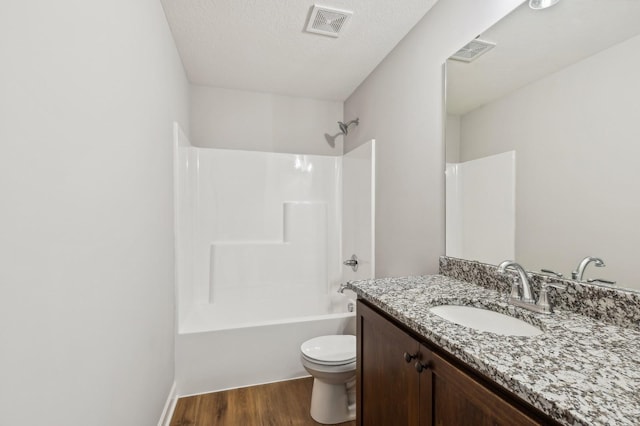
331	360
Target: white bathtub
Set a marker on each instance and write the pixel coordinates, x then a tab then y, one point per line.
250	353
259	240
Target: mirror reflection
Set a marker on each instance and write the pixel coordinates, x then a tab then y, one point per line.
543	143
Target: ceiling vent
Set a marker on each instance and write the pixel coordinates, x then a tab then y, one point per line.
327	21
473	50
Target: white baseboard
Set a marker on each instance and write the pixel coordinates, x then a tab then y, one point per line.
244	386
169	406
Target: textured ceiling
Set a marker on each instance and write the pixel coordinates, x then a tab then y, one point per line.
532	44
261	45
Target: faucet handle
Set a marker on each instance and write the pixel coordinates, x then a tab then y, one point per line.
550	272
545	283
543	298
601	281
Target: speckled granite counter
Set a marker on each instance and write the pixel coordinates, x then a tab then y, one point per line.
580	371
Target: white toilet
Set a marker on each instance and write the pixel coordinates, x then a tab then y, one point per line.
331	360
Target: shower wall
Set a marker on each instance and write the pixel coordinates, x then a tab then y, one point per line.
261	236
480	208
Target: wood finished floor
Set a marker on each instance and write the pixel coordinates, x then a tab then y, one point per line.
274	404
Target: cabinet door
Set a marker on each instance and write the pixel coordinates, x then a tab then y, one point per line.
456	399
387	385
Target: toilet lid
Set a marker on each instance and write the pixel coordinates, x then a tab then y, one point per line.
330	350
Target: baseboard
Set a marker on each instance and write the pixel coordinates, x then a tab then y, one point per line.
169	406
246	386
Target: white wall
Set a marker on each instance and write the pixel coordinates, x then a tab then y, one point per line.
254	121
576	136
400	105
89	93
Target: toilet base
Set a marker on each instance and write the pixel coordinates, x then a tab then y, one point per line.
333	403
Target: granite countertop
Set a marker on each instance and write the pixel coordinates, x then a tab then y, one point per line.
580	371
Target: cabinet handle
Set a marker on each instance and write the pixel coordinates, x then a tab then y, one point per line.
408	357
420	366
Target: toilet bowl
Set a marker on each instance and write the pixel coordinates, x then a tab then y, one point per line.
331	360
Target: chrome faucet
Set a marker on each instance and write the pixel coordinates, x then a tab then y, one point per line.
521	294
524	295
579	272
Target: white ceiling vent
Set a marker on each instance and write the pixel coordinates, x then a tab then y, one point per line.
327	21
473	50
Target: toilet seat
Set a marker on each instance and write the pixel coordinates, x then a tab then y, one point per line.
330	350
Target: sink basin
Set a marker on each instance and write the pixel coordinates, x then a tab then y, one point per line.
485	320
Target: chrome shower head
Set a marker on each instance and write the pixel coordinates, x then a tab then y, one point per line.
344	127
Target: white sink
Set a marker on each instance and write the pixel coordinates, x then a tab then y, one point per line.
485	320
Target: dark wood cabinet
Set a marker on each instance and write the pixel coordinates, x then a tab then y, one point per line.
386	384
402	380
458	399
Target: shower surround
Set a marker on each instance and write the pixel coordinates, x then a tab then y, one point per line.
259	248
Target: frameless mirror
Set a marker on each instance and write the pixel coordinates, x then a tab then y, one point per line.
543	141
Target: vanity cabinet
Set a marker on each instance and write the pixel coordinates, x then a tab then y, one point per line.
402	380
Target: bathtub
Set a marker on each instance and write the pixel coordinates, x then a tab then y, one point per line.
259	242
251	352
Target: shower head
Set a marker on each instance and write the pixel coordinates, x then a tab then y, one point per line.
344	127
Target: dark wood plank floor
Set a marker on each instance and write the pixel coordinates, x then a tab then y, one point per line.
274	404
